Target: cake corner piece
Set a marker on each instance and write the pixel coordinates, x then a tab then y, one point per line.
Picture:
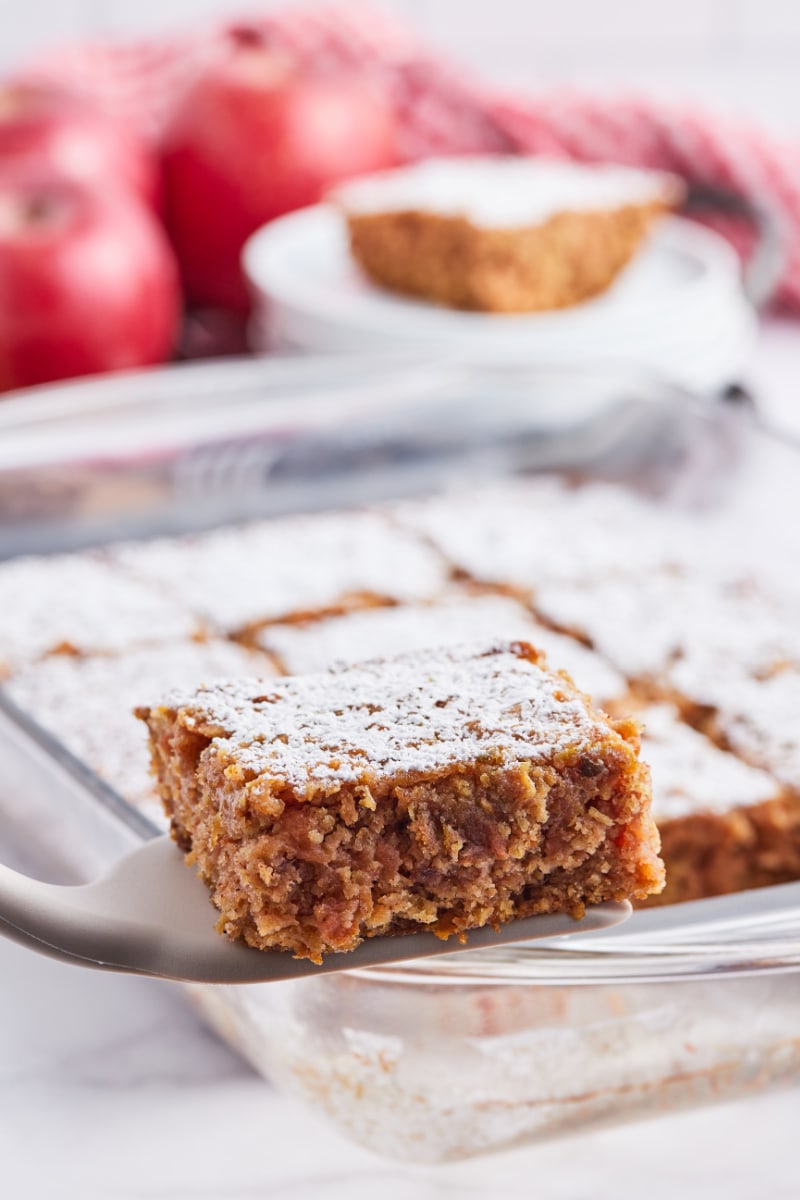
444	790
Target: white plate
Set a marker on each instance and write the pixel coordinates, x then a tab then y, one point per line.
678	308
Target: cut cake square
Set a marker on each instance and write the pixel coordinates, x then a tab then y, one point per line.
79	605
444	790
502	234
725	826
87	703
302	647
291	568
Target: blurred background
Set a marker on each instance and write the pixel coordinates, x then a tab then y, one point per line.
742	53
706	90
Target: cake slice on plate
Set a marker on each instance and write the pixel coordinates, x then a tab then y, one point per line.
502	234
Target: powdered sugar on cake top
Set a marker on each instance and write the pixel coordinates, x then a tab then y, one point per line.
685	628
81	604
757	718
505	192
384	632
659	598
691	775
250	574
394	718
529	532
87	704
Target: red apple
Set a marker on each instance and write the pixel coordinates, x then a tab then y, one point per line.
64	133
87	281
254	138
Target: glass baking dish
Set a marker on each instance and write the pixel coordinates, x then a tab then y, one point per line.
478	1052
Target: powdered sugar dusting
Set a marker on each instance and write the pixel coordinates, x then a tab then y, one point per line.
529	532
731	645
401	717
88	703
383	632
690	774
658	598
685	626
80	602
757	717
262	572
505	192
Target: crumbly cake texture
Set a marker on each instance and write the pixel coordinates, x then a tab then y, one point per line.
673	610
304	647
725	826
504	235
88	703
78	604
445	790
240	578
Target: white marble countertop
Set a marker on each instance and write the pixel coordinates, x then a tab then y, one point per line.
111	1088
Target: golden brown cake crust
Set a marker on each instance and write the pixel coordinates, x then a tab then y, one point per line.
448	790
568	258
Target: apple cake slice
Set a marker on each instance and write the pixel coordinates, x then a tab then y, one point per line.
448	789
502	234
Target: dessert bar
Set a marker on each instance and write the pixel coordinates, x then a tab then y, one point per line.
447	789
240	578
502	234
80	604
627	595
725	826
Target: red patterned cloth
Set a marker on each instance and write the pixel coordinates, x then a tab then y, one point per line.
439	110
442	110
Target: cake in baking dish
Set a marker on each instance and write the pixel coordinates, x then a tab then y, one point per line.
79	605
502	234
649	611
288	569
725	826
87	702
305	646
677	613
443	790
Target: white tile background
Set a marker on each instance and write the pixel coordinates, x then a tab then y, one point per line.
741	54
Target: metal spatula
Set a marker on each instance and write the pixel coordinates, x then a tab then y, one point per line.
151	916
